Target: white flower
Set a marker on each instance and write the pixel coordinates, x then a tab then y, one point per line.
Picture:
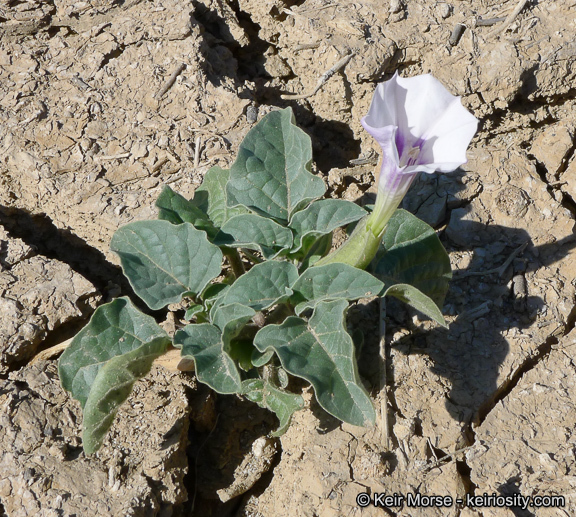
421	127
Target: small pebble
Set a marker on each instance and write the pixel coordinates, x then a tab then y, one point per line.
251	114
444	10
456	34
396	6
150	182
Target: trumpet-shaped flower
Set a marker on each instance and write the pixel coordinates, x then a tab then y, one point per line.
421	127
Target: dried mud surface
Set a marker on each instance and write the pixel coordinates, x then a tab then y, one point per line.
103	102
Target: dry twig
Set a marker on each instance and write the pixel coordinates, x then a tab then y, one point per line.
106	157
197	151
171	360
171	80
500	269
383	393
323	79
448	458
509	19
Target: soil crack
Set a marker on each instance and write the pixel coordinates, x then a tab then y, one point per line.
41	233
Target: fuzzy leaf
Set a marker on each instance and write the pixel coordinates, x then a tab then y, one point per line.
115	328
271	174
322	217
210	197
322	352
203	343
104	359
163	261
111	388
256	233
412	254
264	285
177	209
230	314
334	281
417	299
261	358
231	319
282	403
192	311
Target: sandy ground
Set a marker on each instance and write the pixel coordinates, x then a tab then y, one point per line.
103	102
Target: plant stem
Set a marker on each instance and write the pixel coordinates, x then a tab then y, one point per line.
280	313
383	394
252	257
235	261
358	250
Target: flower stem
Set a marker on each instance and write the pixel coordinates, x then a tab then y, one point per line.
358	250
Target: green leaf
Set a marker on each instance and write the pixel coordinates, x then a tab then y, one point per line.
263	286
334	281
417	299
163	261
318	249
176	209
256	233
322	352
203	342
213	291
214	295
225	315
411	253
103	361
282	403
231	319
211	198
241	351
271	174
322	217
261	358
112	386
192	311
115	328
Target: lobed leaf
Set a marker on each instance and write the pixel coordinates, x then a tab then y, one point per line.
271	174
333	281
413	254
256	233
112	386
322	217
164	261
322	352
417	299
203	343
193	310
211	198
282	403
225	315
176	209
231	319
259	359
264	285
114	329
103	361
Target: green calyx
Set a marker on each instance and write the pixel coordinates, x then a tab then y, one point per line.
360	248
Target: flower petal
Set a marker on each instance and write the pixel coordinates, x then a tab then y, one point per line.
386	137
425	102
384	107
447	140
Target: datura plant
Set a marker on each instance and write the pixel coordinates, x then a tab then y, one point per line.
279	306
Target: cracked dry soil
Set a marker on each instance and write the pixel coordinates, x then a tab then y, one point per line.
102	102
